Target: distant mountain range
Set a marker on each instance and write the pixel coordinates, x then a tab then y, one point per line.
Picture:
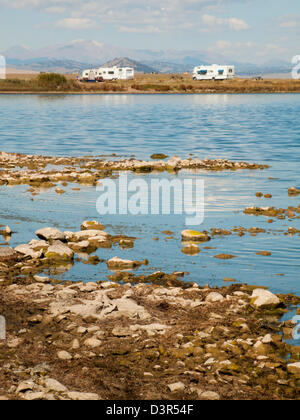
127	62
78	55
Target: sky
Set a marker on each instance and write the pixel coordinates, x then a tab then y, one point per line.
246	30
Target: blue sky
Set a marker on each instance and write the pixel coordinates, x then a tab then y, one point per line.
248	30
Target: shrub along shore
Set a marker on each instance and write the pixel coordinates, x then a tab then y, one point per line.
151	84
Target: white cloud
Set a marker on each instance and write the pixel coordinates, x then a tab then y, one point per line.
139	16
141	29
56	10
75	23
289	24
216	22
237	24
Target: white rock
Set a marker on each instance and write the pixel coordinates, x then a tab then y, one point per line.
210	395
294	368
176	387
50	234
92	342
54	385
64	355
41	279
34	396
59	251
27	251
267	339
214	297
87	234
75	344
262	297
118	263
82	396
25	386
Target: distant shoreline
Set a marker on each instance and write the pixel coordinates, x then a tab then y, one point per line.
146	84
149	93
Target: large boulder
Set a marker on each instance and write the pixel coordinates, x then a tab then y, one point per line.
50	234
59	252
27	251
262	298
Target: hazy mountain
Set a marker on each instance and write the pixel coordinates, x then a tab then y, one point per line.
80	54
127	62
93	51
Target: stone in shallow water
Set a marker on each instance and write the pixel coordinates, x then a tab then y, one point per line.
92	225
27	251
293	191
50	234
193	235
191	249
59	251
118	263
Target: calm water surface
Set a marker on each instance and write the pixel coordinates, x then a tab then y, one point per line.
255	128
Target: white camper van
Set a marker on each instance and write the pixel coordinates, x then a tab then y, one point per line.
89	75
116	73
214	72
108	73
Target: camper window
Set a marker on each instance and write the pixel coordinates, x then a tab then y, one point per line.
202	72
221	71
111	72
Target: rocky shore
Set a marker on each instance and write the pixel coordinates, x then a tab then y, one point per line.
121	341
46	172
136	336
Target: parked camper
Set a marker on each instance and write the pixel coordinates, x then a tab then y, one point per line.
213	72
116	73
108	73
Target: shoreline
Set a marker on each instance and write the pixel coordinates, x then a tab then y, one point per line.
78	341
151	93
145	84
138	337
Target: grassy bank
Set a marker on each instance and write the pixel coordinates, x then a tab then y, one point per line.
156	83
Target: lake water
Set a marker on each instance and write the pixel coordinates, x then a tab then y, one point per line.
255	128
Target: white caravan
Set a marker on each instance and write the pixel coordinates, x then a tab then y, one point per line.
116	73
213	72
89	75
108	73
